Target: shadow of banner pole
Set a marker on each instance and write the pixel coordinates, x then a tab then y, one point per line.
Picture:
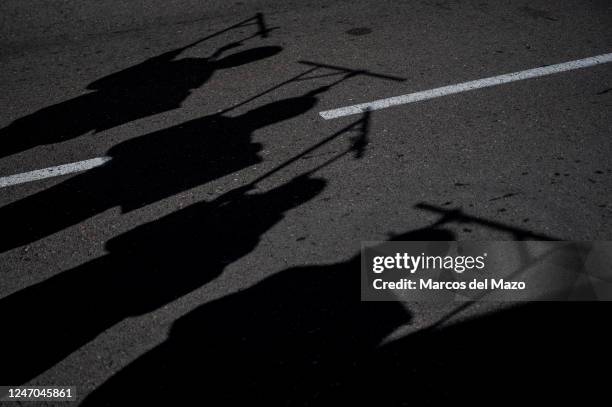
348	73
358	146
459	215
258	20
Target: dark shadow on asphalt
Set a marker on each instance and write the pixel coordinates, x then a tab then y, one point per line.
157	85
149	168
146	268
161	261
158	262
296	338
302	337
546	353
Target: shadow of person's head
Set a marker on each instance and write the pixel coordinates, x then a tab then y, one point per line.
299	190
278	111
247	56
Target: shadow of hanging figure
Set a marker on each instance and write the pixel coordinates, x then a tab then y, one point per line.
296	338
146	268
157	85
149	168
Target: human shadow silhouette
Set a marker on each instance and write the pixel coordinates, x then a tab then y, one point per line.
149	168
157	85
214	233
302	337
145	269
544	352
157	262
296	338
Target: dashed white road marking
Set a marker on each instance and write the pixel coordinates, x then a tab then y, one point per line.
52	171
466	86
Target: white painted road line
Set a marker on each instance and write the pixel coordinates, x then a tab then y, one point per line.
466	86
348	110
52	171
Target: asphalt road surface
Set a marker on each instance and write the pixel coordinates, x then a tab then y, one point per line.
209	252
